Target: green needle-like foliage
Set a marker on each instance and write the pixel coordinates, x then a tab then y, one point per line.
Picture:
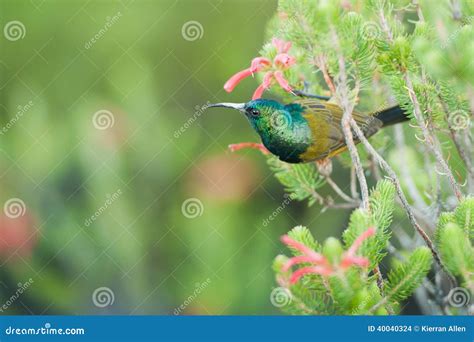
454	239
407	276
301	181
380	216
368	56
351	289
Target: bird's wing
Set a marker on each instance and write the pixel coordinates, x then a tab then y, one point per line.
324	120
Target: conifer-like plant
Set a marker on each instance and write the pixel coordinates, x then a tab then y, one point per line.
374	54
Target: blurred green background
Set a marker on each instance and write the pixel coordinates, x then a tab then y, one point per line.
91	126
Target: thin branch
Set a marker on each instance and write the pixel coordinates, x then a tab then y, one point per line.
342	95
408	179
431	141
354	183
465	157
339	191
374	168
411	216
380	284
320	62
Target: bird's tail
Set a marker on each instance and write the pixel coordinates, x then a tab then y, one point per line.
392	115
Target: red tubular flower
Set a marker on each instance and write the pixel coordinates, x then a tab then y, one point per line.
281	45
258	63
282	81
281	62
235	79
319	263
256	146
321	270
267	82
349	258
284	61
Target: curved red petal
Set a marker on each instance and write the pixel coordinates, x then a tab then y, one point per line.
259	63
282	81
235	79
257	146
298	260
358	242
267	81
316	257
324	271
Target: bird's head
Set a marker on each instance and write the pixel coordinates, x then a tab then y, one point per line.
265	116
282	128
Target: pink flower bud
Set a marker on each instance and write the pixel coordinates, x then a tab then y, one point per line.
284	61
281	45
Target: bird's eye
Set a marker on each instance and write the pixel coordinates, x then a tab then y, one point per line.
254	112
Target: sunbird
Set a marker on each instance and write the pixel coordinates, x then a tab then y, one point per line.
308	129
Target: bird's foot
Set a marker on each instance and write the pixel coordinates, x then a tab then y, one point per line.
324	166
256	146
